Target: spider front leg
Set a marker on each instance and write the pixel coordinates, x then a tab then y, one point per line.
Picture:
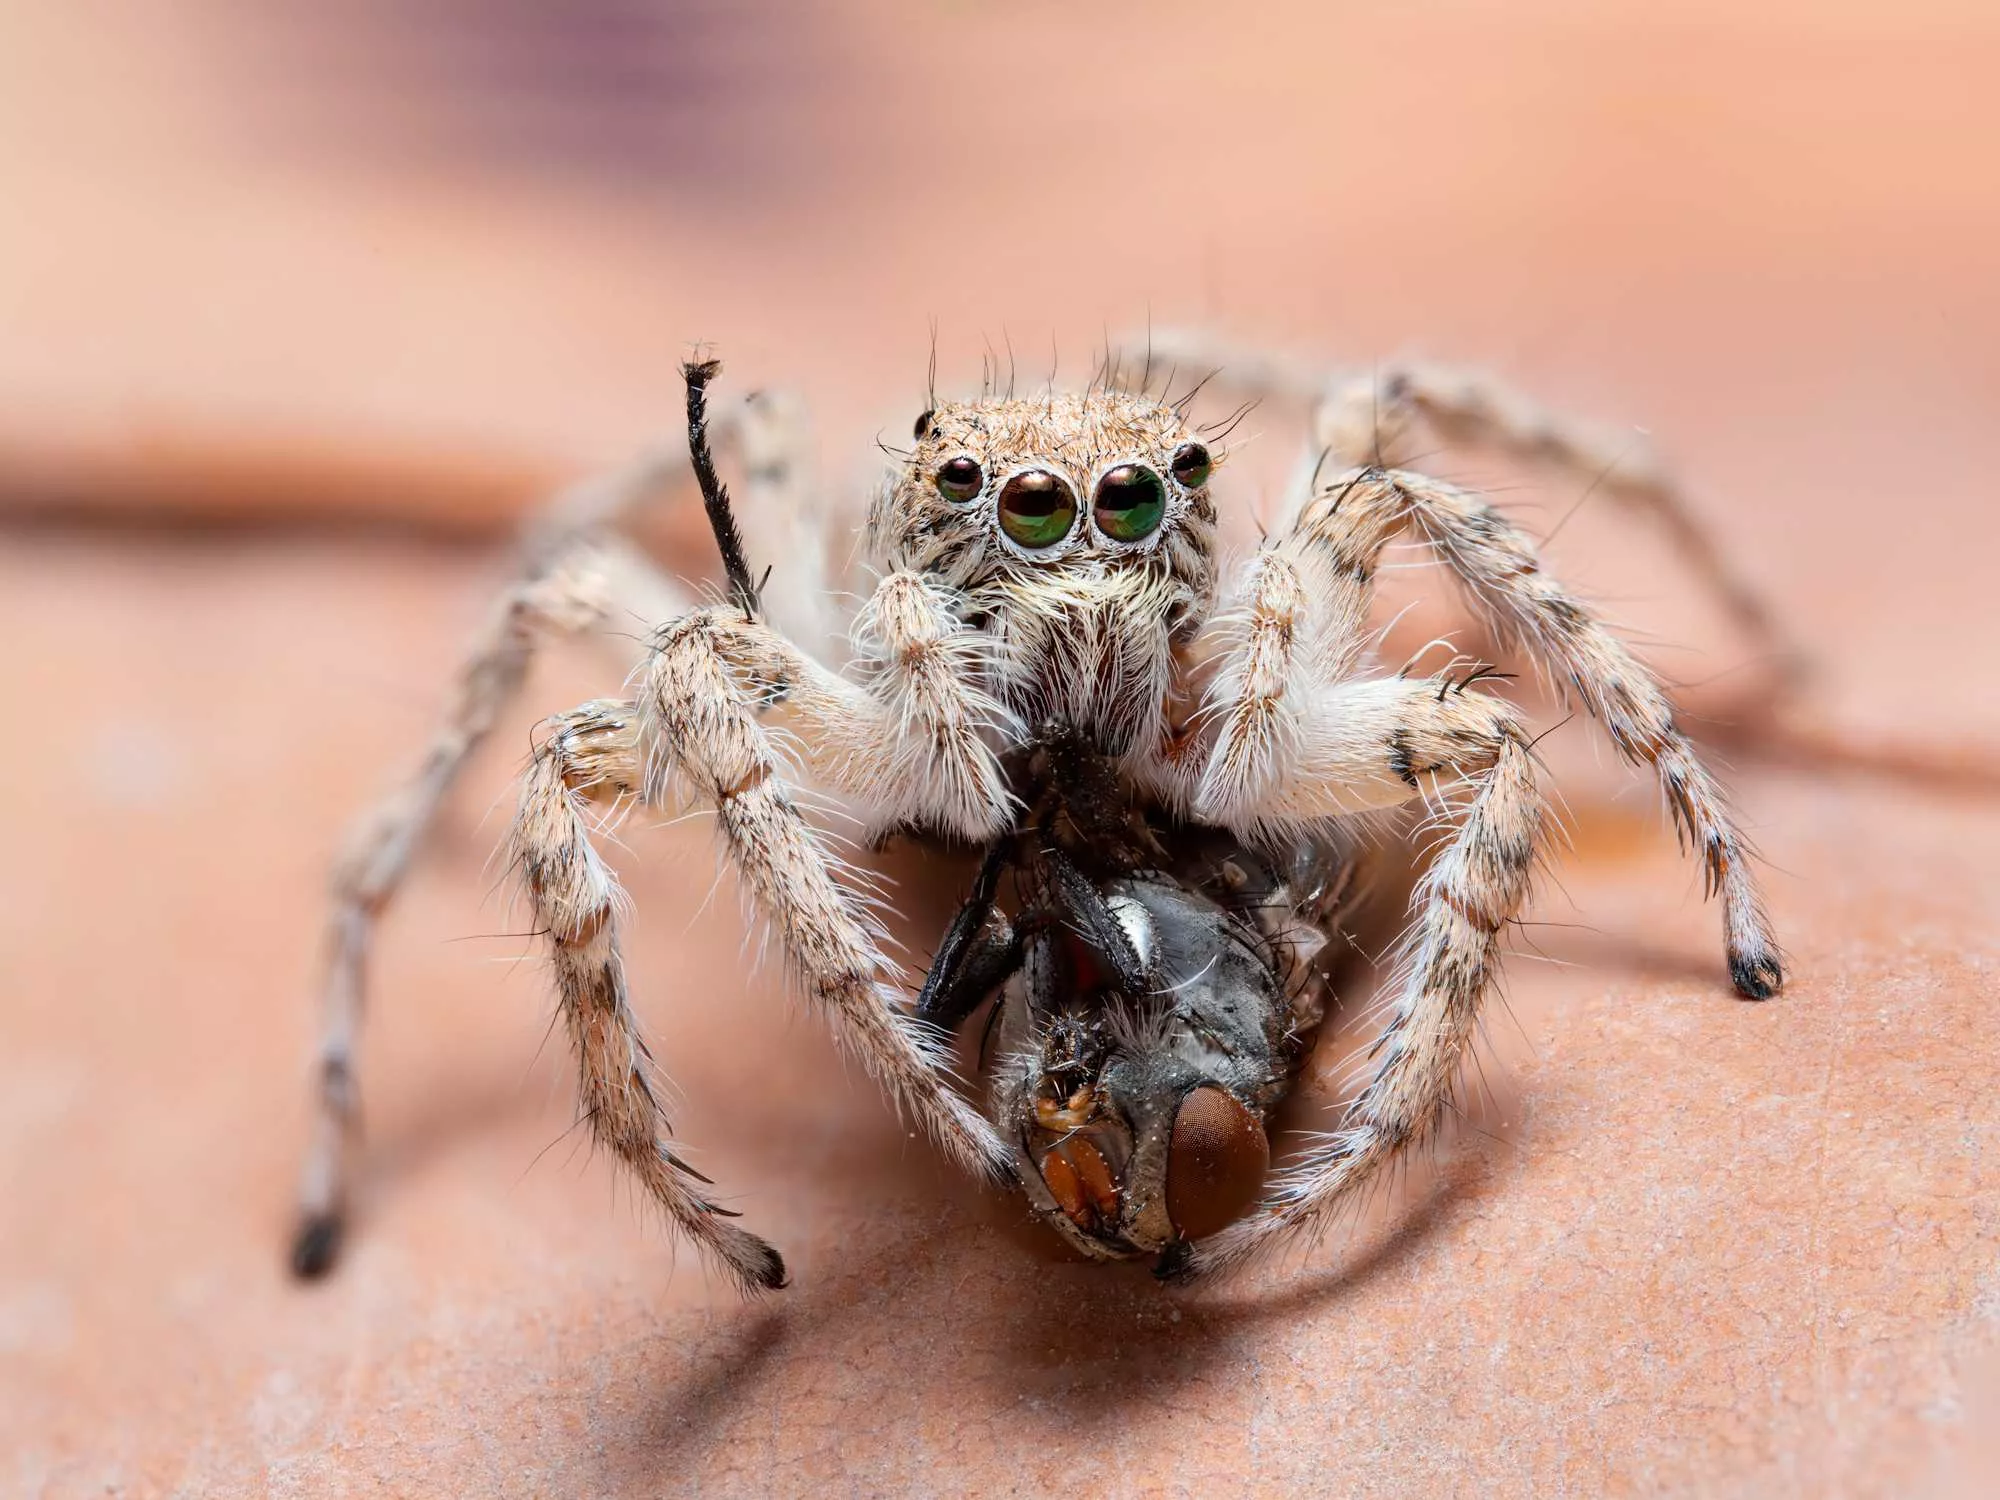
698	728
1301	625
1421	729
593	754
711	673
579	572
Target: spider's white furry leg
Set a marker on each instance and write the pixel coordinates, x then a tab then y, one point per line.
1374	419
592	753
1394	414
1449	960
572	589
579	572
912	739
712	671
1358	747
1301	624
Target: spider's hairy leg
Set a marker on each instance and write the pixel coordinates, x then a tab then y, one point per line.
1300	625
575	587
591	754
913	739
1381	419
711	674
579	570
1397	412
1449	961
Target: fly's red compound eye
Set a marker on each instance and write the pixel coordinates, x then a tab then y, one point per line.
1216	1161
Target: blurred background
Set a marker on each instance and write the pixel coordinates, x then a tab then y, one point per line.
303	307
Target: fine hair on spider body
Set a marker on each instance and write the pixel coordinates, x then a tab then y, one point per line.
1169	770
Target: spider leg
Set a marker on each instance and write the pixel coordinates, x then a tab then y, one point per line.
1300	625
1376	419
1393	415
568	590
1399	411
592	753
578	573
712	672
1450	955
698	728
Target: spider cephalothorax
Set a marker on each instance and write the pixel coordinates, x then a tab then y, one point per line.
1174	790
1078	532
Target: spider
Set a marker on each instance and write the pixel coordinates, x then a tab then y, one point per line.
1177	775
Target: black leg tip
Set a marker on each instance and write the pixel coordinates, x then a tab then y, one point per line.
754	1263
316	1246
767	1273
1758	976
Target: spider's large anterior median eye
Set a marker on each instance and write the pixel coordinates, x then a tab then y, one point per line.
1130	503
1037	508
1192	465
960	479
1216	1161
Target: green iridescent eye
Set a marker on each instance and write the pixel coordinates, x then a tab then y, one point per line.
1130	503
1192	465
1037	508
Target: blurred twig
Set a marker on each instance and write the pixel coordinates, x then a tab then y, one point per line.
188	476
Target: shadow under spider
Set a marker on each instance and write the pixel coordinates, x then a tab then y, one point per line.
943	1302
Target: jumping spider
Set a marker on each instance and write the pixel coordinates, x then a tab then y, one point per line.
1177	792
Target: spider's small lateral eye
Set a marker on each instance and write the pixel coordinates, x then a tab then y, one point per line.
923	425
1037	508
960	479
1130	503
1192	465
1216	1161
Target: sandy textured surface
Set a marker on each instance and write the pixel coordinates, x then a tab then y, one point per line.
1689	1246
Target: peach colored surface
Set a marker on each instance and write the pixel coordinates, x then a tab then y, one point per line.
1691	1246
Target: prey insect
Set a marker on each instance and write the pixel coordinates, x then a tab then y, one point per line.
1156	993
1168	778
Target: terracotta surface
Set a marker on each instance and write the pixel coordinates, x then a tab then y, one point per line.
1686	1245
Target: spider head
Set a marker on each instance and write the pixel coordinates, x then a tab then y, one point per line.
1080	532
1137	1121
1067	483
